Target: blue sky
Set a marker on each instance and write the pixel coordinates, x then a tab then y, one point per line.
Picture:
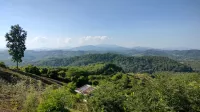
129	23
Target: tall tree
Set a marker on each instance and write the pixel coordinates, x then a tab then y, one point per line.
16	43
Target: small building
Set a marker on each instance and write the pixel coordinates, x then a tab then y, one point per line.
85	90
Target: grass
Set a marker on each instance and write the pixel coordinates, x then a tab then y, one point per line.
16	85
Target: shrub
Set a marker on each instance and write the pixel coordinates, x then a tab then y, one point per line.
106	99
71	86
53	73
58	100
61	74
2	64
32	69
43	70
82	81
95	82
117	76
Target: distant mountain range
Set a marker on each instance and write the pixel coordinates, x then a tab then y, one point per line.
36	55
105	47
108	47
102	47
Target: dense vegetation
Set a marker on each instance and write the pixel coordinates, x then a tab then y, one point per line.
122	84
32	56
165	92
147	64
77	75
115	91
195	64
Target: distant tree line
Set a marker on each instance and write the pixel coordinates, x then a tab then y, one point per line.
147	64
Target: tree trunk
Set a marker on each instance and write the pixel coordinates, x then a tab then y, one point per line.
17	65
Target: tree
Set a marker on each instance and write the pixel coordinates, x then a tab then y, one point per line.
16	43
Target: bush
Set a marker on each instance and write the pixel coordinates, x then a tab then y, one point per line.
106	99
167	91
58	100
2	64
95	82
53	73
43	70
82	81
117	76
61	74
32	69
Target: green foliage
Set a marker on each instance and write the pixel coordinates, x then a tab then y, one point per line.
82	81
181	90
167	91
95	82
117	76
102	68
71	86
53	73
42	56
61	74
2	64
195	64
73	73
58	100
115	91
43	70
16	43
144	64
32	69
106	98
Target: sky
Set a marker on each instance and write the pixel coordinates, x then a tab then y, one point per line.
69	23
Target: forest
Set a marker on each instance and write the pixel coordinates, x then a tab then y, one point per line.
33	56
147	64
116	89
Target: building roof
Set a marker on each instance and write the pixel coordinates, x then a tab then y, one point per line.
86	89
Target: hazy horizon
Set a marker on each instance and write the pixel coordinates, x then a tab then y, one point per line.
171	24
107	46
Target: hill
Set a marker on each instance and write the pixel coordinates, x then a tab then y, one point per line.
15	85
14	76
173	54
115	91
128	63
33	56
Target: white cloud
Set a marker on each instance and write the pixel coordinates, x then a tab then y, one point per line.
92	40
43	42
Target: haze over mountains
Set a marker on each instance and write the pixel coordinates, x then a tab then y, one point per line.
32	56
110	47
102	47
105	47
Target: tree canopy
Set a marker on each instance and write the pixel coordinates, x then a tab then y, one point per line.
147	64
16	43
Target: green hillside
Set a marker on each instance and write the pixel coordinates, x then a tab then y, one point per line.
147	64
115	91
15	85
33	56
